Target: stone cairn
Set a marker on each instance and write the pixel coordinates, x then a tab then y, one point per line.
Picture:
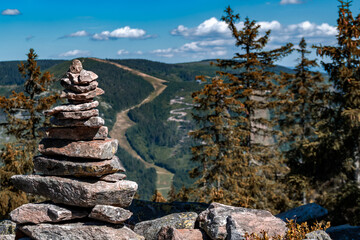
77	171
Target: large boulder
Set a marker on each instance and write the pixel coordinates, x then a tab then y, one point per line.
304	213
77	192
344	232
213	221
45	212
149	229
94	122
63	166
73	231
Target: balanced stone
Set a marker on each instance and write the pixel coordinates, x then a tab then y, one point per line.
76	167
45	212
114	177
77	115
86	230
110	214
76	66
81	96
97	149
72	108
66	83
77	133
77	192
93	122
87	76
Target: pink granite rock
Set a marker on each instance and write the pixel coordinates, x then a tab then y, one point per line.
96	149
77	115
67	84
77	192
81	230
78	167
77	133
93	122
110	214
45	212
170	233
213	221
72	108
81	96
86	77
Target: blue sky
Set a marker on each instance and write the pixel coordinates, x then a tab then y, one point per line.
161	30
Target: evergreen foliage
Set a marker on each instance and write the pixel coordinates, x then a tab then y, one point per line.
303	97
24	117
337	150
249	165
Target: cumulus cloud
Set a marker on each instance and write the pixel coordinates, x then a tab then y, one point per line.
81	33
75	53
122	52
10	12
125	32
285	2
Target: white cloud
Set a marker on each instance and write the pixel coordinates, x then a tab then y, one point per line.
122	52
10	12
139	52
81	33
75	53
209	28
125	32
284	2
273	25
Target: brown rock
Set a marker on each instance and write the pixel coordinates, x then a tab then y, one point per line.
93	122
67	84
96	149
213	221
170	233
85	230
81	96
110	214
45	212
76	66
72	108
87	76
113	177
76	167
77	133
76	192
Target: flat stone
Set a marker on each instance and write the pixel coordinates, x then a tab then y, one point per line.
80	231
213	221
86	77
110	214
72	108
81	96
113	177
45	212
170	233
8	237
77	133
77	192
150	229
77	115
96	149
67	84
93	122
64	166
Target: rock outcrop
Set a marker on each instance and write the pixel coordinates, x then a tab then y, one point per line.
77	171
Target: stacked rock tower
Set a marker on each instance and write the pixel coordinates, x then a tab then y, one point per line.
77	171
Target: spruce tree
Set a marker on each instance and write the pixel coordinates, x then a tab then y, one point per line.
337	150
239	162
303	98
24	118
